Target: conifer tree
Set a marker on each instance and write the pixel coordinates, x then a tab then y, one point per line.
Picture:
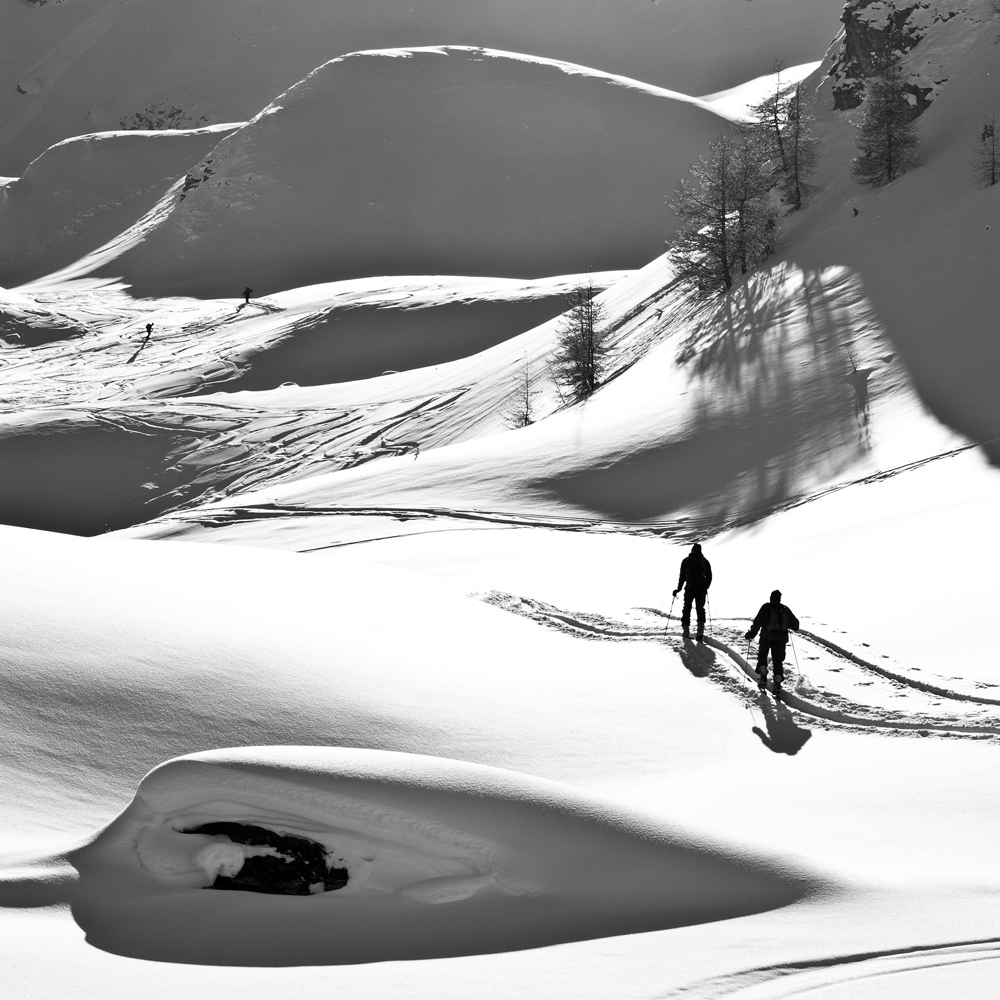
800	144
580	357
725	222
754	216
782	126
769	119
987	165
519	409
887	137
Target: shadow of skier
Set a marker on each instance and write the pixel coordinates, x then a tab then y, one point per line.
783	735
698	659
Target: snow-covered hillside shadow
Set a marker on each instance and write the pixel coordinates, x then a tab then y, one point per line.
81	478
442	160
441	858
782	373
84	191
365	341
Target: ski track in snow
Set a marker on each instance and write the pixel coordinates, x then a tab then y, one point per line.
825	683
311	449
799	979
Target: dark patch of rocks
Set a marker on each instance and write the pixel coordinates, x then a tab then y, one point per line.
303	865
862	48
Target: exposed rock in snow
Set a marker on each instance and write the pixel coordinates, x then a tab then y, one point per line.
870	25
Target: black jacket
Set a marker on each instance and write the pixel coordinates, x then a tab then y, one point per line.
696	572
783	618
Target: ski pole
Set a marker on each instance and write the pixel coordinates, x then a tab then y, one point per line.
671	611
798	669
753	714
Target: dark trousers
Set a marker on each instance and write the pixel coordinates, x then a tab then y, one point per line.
698	598
777	650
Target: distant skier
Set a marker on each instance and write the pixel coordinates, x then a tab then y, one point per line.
695	577
247	292
149	333
773	622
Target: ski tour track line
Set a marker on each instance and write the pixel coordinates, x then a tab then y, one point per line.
831	693
798	979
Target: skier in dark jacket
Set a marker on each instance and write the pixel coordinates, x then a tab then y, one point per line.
695	577
773	622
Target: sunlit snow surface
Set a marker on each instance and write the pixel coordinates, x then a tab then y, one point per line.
458	668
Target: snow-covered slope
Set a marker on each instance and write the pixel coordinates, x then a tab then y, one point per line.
463	682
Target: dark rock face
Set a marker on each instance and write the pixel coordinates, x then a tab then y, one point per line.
865	41
302	866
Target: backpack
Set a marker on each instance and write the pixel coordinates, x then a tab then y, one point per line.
775	622
697	572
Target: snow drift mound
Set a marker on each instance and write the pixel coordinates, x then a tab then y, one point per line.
82	192
442	858
443	160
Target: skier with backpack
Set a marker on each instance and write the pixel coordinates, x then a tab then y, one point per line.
695	577
773	621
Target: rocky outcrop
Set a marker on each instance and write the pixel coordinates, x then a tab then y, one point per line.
874	27
287	865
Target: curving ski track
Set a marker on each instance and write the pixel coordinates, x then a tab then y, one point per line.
824	682
803	979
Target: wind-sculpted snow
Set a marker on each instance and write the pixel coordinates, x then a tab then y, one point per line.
201	344
443	858
90	387
715	416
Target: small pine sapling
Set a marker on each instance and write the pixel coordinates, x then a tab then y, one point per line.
519	409
987	161
579	361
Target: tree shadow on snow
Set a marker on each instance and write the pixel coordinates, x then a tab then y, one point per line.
773	413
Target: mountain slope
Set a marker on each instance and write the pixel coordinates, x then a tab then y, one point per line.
83	65
435	161
82	192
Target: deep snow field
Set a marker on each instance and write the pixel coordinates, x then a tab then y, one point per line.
286	563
